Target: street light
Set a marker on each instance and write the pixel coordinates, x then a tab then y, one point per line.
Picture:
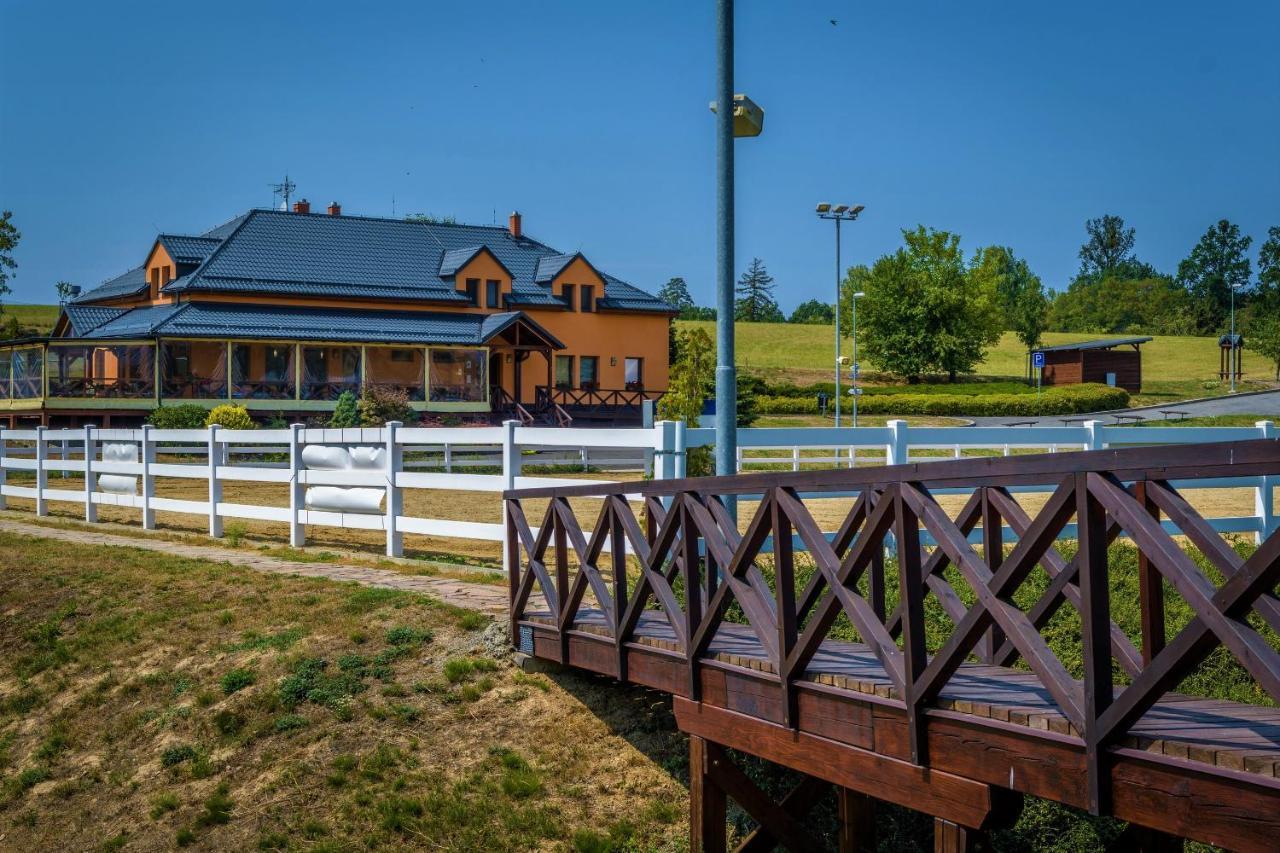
839	213
853	377
1234	362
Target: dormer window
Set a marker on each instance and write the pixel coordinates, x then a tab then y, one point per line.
492	291
588	297
473	290
566	293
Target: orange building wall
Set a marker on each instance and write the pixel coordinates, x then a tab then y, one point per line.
158	260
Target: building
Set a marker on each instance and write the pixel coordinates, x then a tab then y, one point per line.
1114	361
282	311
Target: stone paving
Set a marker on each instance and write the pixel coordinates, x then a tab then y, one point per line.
488	598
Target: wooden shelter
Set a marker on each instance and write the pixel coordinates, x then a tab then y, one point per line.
1112	361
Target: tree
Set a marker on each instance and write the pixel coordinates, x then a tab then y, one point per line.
346	412
813	311
430	219
1109	247
1147	304
1217	265
924	310
755	302
1019	293
9	237
693	373
676	294
1262	324
64	289
1264	339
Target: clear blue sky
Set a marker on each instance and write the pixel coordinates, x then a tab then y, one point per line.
1006	122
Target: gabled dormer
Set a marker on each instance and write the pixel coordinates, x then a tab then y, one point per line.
572	279
160	269
477	272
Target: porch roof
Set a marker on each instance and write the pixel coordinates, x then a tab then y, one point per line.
275	322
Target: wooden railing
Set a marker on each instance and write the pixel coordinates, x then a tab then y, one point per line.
594	402
504	404
692	560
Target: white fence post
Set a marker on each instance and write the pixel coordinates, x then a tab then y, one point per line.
510	470
395	496
795	458
66	454
1264	494
148	457
448	459
90	478
297	490
647	415
42	473
897	451
1093	435
217	454
679	450
4	473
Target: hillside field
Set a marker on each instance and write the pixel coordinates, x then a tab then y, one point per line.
41	317
1173	367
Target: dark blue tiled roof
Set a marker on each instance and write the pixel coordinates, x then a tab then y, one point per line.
134	281
276	252
85	318
188	250
278	322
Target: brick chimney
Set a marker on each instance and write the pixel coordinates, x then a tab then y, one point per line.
303	206
335	209
513	224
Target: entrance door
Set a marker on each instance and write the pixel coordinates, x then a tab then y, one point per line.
495	370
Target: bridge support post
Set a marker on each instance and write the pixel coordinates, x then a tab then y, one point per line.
706	802
856	821
951	837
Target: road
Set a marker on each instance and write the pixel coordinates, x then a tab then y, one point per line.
1265	404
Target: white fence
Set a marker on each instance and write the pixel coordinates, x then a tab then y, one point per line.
217	456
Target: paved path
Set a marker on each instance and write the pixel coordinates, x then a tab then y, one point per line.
1265	404
474	596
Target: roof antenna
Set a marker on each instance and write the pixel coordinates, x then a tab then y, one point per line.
393	205
286	190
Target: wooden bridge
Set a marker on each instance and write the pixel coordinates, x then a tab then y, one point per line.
824	666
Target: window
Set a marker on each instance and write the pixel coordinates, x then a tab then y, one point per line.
633	373
473	290
166	275
326	371
155	277
588	297
403	355
458	376
564	371
262	371
492	290
566	293
588	372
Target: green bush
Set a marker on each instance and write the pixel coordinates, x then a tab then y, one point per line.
230	417
380	405
185	416
346	413
1062	400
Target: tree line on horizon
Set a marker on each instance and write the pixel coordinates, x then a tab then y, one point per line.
930	310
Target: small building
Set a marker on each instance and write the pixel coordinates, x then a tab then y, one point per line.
1113	361
282	312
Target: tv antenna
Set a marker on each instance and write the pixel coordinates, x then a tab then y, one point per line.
285	190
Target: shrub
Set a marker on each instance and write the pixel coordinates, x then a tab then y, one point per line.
185	416
380	405
346	413
237	679
1061	400
175	755
230	417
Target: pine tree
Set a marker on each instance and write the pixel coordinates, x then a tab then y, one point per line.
755	302
346	413
676	294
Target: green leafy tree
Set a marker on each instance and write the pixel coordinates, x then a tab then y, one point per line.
925	311
346	413
431	219
1262	325
815	312
692	375
64	289
1108	249
230	417
676	294
755	302
9	237
1264	339
381	404
1019	292
1147	305
1217	264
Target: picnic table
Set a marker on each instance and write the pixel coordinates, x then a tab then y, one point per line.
1070	421
1019	423
1167	412
1131	418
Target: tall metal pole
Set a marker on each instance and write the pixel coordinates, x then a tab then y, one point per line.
837	321
726	376
1231	362
853	381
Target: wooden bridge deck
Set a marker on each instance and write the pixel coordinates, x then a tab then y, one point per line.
948	725
1230	735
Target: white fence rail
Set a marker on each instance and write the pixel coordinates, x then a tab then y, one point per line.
405	455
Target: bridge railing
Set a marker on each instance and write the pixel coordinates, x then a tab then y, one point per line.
691	558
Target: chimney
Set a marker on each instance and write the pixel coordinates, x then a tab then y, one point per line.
513	224
335	209
303	206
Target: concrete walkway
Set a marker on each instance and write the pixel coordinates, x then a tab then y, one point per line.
487	598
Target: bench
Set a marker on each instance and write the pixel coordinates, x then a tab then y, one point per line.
1020	423
1168	412
1130	418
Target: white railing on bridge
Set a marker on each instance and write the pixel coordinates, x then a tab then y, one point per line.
217	456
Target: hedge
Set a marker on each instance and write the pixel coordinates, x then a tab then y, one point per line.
1064	400
963	389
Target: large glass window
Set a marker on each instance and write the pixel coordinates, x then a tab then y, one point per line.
327	371
397	368
193	370
633	373
458	376
28	373
564	372
262	371
125	371
588	372
6	367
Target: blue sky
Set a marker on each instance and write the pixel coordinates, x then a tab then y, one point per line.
1007	122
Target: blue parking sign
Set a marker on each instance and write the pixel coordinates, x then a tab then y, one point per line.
1037	359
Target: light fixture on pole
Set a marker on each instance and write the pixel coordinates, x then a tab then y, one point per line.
839	213
856	370
1233	363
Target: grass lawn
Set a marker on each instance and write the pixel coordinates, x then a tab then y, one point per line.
41	317
1174	368
148	702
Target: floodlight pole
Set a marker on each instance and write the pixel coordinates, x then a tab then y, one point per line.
726	374
1233	360
838	324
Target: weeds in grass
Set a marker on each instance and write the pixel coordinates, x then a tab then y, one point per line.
370	598
237	679
51	746
217	808
406	636
473	621
311	683
535	681
185	837
289	723
164	803
279	641
25	781
233	533
175	755
228	722
458	669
